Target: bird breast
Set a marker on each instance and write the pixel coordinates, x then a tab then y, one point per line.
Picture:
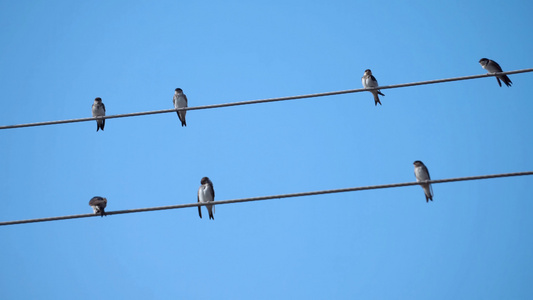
98	110
420	174
204	195
181	102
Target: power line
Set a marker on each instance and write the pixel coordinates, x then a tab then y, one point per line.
264	100
344	190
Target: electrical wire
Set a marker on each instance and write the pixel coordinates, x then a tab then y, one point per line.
265	100
343	190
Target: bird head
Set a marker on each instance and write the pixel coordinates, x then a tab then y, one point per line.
205	180
418	163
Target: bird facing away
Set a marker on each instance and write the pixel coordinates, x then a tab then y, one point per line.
180	100
99	111
422	174
98	204
206	193
369	81
493	67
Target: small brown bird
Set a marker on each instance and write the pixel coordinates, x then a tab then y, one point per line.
422	174
98	204
99	111
180	101
494	67
206	193
369	81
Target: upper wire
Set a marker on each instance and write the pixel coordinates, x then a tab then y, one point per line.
265	100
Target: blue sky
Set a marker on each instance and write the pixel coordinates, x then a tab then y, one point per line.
472	242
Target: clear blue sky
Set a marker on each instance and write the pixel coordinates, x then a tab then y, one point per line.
472	242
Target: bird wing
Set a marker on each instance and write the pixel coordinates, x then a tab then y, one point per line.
199	207
94	201
374	79
98	201
429	178
179	116
497	67
212	191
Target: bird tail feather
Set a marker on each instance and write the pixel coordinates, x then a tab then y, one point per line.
506	80
376	99
210	209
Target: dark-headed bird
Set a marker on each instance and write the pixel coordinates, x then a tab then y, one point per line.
422	175
493	67
369	81
206	193
98	204
99	111
180	101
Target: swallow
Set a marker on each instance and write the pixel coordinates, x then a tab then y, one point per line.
206	193
99	111
180	100
98	204
369	81
422	174
494	67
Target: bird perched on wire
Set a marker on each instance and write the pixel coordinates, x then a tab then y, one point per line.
422	174
206	193
369	81
98	204
180	101
494	67
99	111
